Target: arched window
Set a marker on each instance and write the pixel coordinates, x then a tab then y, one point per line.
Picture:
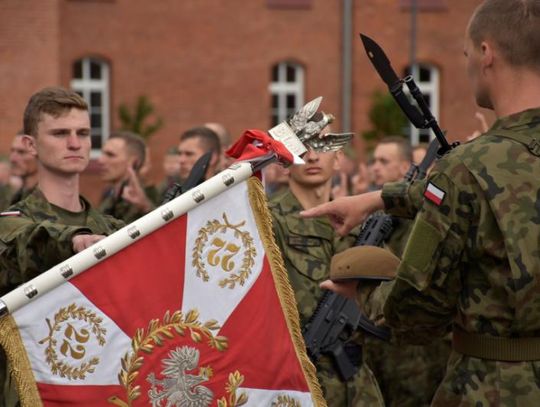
287	90
91	81
427	79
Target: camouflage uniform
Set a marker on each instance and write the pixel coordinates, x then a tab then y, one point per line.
307	246
38	239
121	209
16	196
408	375
474	261
5	196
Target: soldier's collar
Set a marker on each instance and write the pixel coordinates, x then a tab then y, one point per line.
514	121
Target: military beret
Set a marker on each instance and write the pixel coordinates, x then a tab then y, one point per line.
364	262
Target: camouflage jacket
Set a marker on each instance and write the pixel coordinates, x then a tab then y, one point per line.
473	260
37	235
307	246
5	196
121	209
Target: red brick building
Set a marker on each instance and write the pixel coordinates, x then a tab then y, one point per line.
215	60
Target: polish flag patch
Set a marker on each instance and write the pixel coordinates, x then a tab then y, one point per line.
434	194
10	213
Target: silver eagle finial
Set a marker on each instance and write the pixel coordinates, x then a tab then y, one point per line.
308	125
304	130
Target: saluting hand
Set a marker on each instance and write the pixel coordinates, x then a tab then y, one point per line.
134	192
347	212
81	242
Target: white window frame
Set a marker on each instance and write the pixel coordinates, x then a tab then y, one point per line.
281	88
86	85
431	88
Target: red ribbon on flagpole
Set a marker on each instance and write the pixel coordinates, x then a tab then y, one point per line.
257	143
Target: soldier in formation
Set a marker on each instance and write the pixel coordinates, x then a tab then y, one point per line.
54	222
307	246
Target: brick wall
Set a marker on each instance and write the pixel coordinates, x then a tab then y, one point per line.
210	60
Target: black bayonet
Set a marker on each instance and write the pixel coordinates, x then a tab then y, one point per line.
195	177
421	119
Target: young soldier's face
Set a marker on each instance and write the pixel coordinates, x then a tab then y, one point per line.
114	160
63	143
23	162
388	165
317	170
189	151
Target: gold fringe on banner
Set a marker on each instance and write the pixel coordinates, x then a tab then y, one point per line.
19	364
257	200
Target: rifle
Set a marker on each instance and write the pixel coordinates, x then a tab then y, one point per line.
337	317
327	329
195	177
421	119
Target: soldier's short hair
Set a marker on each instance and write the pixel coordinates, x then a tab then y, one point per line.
173	150
403	145
207	137
513	26
52	100
135	145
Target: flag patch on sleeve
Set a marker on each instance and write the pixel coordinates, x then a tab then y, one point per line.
434	194
10	213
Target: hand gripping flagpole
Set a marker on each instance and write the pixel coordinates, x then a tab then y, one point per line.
256	149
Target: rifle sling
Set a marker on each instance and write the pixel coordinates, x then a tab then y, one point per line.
496	348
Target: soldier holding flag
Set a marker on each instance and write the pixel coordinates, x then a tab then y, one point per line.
54	221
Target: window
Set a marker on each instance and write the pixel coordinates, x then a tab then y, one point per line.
91	81
427	79
287	90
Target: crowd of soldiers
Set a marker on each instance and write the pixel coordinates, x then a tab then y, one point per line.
463	307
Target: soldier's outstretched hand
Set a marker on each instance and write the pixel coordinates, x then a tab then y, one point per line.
347	212
345	288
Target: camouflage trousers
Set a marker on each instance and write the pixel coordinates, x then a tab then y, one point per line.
361	391
408	375
474	382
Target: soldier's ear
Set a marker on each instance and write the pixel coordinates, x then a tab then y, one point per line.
29	143
487	54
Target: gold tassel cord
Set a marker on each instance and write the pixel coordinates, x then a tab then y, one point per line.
257	200
18	362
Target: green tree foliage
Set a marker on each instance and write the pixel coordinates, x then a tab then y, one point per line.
134	119
386	118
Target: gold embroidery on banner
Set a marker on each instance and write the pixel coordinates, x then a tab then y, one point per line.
73	341
157	334
285	401
235	380
223	252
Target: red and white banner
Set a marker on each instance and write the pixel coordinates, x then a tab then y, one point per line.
198	313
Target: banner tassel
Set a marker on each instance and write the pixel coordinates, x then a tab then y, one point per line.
257	200
19	364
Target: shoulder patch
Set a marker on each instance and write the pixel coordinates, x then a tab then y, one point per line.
434	194
11	213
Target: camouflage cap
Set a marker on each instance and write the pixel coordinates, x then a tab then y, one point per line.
364	262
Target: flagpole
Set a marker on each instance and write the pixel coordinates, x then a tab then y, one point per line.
254	150
237	173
